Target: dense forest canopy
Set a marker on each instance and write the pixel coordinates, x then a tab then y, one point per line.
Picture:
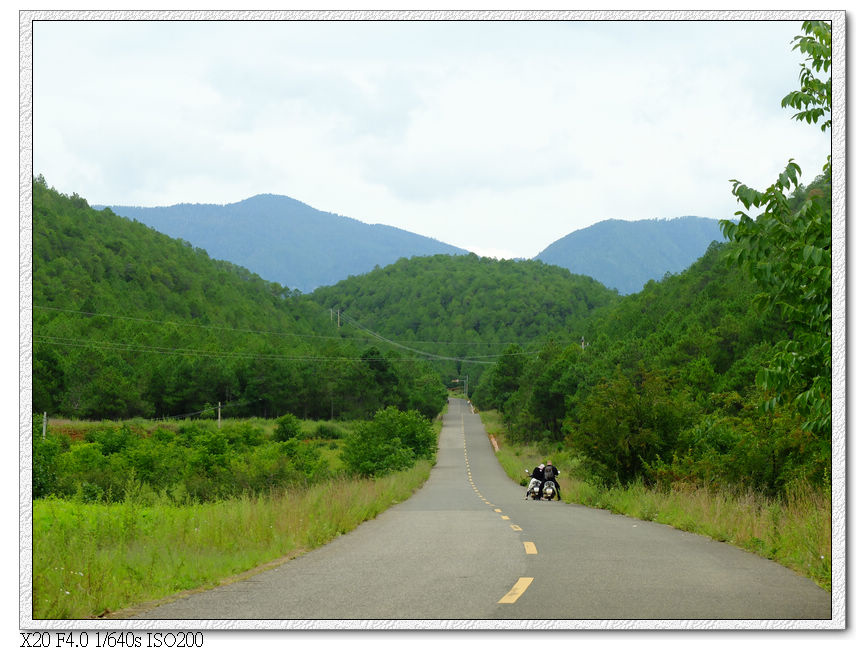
663	390
129	322
462	312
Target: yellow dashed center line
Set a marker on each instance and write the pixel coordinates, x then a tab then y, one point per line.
523	583
516	591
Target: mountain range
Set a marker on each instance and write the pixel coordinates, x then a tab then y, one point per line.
289	242
624	255
286	241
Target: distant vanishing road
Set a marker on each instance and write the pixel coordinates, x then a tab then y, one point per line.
468	546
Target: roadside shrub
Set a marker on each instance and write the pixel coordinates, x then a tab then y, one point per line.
188	431
163	436
45	457
209	451
112	439
83	463
287	428
200	462
328	431
158	460
306	460
86	492
244	433
392	441
265	467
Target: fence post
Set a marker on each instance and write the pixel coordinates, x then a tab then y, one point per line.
44	423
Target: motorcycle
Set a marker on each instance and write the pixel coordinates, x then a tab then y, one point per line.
534	488
538	490
549	491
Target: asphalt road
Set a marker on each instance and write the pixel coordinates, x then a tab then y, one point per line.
468	546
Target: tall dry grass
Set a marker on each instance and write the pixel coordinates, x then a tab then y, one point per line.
793	529
90	559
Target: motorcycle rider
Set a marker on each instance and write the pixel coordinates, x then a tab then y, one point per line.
537	473
550	472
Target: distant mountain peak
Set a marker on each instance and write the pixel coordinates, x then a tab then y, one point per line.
625	255
285	240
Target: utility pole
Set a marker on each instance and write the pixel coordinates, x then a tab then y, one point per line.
44	423
219	415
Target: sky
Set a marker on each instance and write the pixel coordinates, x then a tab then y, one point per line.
498	137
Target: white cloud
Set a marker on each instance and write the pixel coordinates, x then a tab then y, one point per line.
487	135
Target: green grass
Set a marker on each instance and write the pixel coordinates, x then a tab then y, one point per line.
93	559
793	530
310	429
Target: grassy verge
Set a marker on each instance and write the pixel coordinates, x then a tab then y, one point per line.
794	530
92	559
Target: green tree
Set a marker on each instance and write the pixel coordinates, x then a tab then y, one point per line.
45	460
287	428
392	441
129	322
626	423
505	378
786	248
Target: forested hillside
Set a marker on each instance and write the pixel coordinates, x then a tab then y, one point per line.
129	322
664	390
624	255
463	312
286	241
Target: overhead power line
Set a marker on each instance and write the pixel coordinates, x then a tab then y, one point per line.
430	355
254	331
132	347
181	324
189	352
207	410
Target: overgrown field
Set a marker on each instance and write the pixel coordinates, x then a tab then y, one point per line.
90	559
131	512
793	529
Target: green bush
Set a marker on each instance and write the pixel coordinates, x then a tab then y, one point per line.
201	462
243	433
287	428
392	441
264	467
306	459
45	456
112	439
158	460
83	458
189	430
328	431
